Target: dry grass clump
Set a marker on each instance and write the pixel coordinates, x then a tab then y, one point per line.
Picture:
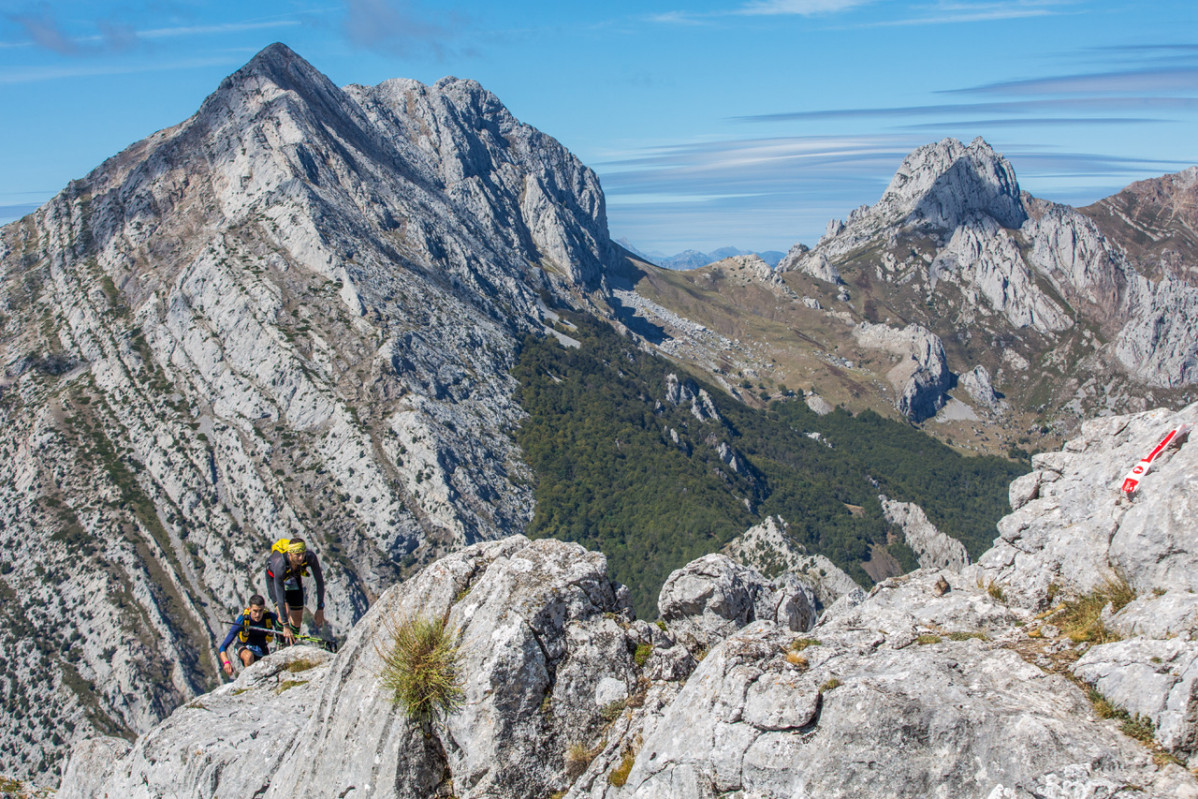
1081	618
578	757
421	668
619	774
795	659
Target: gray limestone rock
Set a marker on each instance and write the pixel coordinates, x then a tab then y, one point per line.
1156	679
848	717
1147	541
712	597
978	385
769	548
921	377
932	548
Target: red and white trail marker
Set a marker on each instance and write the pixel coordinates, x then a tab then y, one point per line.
1132	481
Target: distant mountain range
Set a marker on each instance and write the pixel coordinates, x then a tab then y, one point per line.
693	259
391	320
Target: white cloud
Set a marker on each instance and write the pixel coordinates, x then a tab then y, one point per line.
805	8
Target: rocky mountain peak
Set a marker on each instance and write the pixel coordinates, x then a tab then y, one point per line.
943	183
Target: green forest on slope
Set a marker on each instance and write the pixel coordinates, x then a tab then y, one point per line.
600	435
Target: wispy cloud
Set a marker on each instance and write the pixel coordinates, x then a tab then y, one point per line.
36	74
744	167
398	27
801	8
1011	122
44	31
946	13
1143	80
805	8
204	30
1072	105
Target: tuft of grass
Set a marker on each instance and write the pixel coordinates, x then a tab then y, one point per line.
961	635
422	669
578	758
1139	727
799	644
928	638
619	774
289	684
643	651
995	591
830	684
296	666
1081	618
795	659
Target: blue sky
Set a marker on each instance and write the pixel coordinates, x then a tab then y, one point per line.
748	123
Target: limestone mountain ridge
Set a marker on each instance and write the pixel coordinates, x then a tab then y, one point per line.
1067	312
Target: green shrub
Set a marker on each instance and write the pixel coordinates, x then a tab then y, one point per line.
643	651
422	670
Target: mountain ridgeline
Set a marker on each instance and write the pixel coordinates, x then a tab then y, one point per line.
654	468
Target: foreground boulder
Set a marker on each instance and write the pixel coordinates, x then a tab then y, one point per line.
1075	536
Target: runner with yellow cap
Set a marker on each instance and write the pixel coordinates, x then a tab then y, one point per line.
290	561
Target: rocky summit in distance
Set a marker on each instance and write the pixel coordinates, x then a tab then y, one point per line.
293	314
956	681
1069	313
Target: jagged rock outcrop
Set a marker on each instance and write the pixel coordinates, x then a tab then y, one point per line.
868	708
712	597
932	548
921	377
978	384
984	259
1145	543
769	548
294	313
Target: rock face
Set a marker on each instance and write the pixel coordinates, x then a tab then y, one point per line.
932	548
293	314
921	376
714	596
768	548
864	710
1145	543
